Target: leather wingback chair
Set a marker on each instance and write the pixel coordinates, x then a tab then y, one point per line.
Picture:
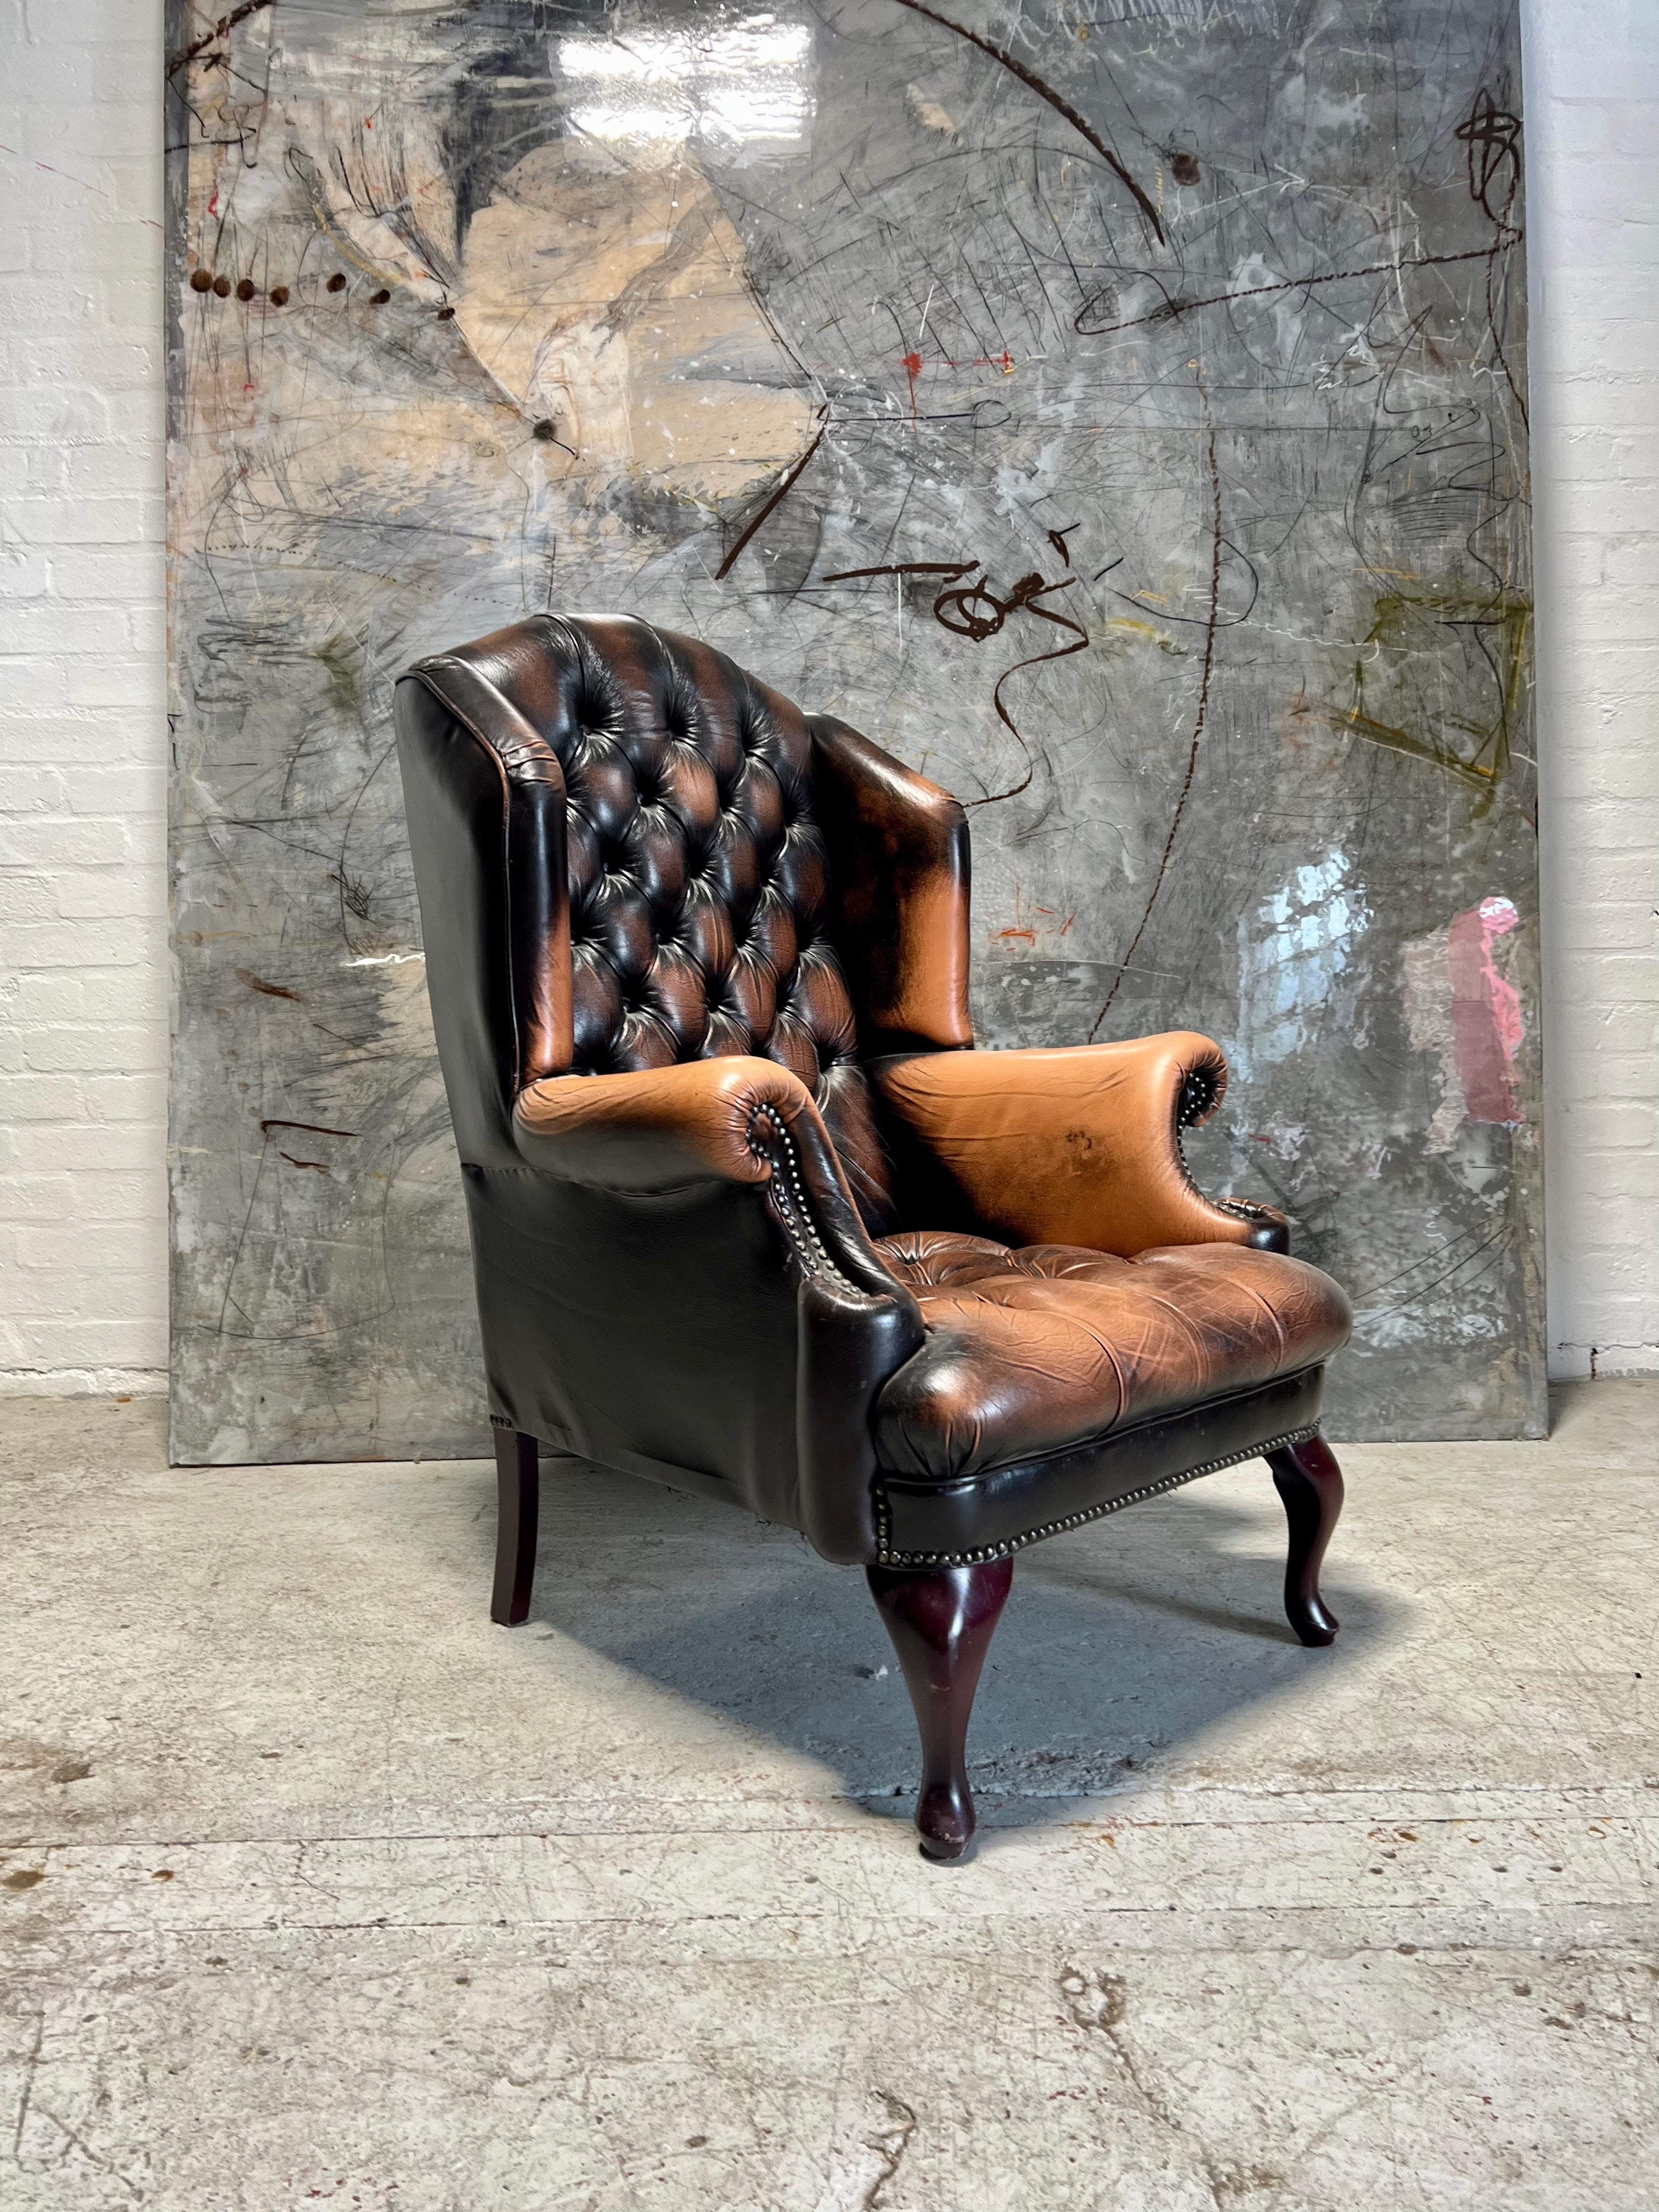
750	1215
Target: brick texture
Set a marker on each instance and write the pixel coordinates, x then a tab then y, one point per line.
1592	111
83	993
83	1017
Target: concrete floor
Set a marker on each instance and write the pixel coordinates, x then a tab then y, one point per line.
317	1888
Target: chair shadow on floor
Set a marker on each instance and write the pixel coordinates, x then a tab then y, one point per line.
1122	1641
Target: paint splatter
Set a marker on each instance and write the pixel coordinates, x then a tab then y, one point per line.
1486	1012
1460	1009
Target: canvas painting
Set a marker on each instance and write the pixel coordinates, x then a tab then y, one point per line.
1116	409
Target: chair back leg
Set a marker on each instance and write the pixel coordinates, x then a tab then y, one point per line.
941	1621
518	1477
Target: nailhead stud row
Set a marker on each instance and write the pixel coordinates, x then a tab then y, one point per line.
1240	1206
790	1202
885	1557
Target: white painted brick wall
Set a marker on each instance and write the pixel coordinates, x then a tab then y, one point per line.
82	726
83	998
1592	114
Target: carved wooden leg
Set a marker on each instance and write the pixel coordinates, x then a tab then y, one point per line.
518	1480
941	1621
1309	1481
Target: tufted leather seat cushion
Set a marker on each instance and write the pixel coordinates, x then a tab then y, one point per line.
1033	1350
699	880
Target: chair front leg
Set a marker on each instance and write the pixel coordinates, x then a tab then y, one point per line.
518	1484
1310	1482
941	1621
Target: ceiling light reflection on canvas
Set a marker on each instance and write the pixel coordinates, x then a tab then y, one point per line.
745	84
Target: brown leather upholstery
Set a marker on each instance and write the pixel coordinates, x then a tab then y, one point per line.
901	892
1032	1352
742	1120
672	929
697	882
1075	1146
666	1125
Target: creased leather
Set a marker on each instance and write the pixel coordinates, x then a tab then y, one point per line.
1029	1352
665	1127
659	1127
668	924
1011	1506
696	882
900	892
1074	1145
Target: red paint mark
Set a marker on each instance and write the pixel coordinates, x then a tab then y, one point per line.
1486	1012
369	123
1067	924
1025	936
912	367
213	204
47	170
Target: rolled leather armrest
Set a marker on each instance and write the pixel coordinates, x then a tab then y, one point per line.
749	1121
735	1119
659	1127
1076	1145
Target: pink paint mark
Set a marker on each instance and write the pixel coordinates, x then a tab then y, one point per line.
1486	1012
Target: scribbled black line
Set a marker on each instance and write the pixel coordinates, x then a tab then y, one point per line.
1493	138
779	495
1198	622
1060	105
1500	1238
307	1128
225	23
1172	310
226	1302
317	1164
1025	594
951	570
1198	725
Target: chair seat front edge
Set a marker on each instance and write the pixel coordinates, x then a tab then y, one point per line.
966	1520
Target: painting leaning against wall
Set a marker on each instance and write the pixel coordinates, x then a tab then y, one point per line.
1115	407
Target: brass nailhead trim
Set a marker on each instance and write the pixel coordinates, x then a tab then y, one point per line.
1240	1206
885	1558
789	1196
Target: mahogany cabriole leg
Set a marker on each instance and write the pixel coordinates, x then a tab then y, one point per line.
941	1621
1309	1481
517	1479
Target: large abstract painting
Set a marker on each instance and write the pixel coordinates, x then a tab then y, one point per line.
1116	408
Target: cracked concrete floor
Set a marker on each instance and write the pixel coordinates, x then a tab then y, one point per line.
317	1888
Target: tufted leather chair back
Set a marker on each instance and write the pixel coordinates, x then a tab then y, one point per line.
671	795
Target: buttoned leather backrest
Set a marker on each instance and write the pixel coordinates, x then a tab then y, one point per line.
697	879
